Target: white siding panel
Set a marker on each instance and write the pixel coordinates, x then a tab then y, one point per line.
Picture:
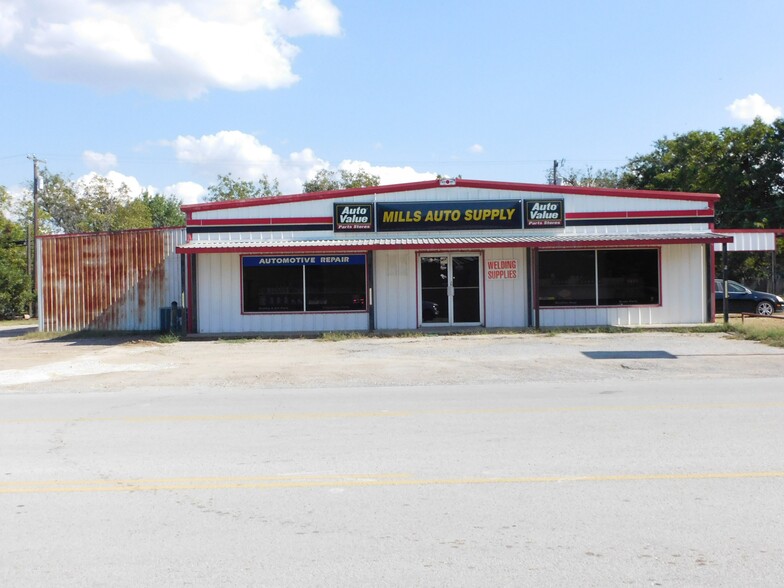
395	292
219	305
683	297
749	241
506	300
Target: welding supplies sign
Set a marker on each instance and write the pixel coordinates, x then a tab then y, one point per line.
449	216
544	214
352	217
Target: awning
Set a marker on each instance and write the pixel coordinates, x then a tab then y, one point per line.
449	243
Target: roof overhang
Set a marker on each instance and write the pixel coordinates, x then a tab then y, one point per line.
450	243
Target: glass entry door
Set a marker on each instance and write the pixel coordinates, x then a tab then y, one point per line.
450	289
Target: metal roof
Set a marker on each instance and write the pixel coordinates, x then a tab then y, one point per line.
449	184
425	243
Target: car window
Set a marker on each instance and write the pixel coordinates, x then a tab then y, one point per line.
735	288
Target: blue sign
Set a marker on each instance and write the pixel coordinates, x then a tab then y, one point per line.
321	259
449	216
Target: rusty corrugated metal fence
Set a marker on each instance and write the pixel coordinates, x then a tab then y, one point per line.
108	281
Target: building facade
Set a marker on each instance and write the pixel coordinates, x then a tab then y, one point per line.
450	253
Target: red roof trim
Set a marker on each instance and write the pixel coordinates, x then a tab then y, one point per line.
223	222
429	184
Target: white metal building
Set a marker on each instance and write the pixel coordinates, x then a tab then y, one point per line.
450	253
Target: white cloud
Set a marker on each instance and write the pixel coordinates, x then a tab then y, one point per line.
388	175
101	162
177	48
476	148
753	106
9	24
187	192
246	158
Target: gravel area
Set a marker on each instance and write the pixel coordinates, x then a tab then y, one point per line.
382	361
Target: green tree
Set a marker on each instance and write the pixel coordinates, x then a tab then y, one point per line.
744	165
326	180
5	199
59	208
230	188
164	210
65	206
587	178
15	284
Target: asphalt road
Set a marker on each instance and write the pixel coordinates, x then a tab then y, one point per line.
670	481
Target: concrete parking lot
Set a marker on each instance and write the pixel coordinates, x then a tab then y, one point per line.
586	459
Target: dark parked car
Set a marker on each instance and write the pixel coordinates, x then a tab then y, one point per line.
429	311
743	299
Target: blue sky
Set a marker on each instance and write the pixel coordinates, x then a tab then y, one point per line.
168	95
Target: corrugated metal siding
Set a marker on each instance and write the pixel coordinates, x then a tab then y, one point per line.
107	281
395	292
220	298
749	241
506	301
682	285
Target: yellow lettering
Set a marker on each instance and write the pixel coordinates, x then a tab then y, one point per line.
417	216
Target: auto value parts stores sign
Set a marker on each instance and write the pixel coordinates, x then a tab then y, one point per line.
544	213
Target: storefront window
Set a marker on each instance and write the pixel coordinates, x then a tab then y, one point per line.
628	277
604	277
316	283
331	288
567	278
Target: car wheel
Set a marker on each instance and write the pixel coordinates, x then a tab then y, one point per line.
765	308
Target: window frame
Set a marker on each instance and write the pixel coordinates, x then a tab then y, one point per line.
596	283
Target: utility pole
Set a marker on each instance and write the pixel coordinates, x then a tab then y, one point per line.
555	172
36	185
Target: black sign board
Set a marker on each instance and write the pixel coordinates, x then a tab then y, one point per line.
353	218
541	214
460	215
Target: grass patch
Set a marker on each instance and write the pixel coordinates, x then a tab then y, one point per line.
48	336
767	331
101	337
342	335
19	323
168	338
